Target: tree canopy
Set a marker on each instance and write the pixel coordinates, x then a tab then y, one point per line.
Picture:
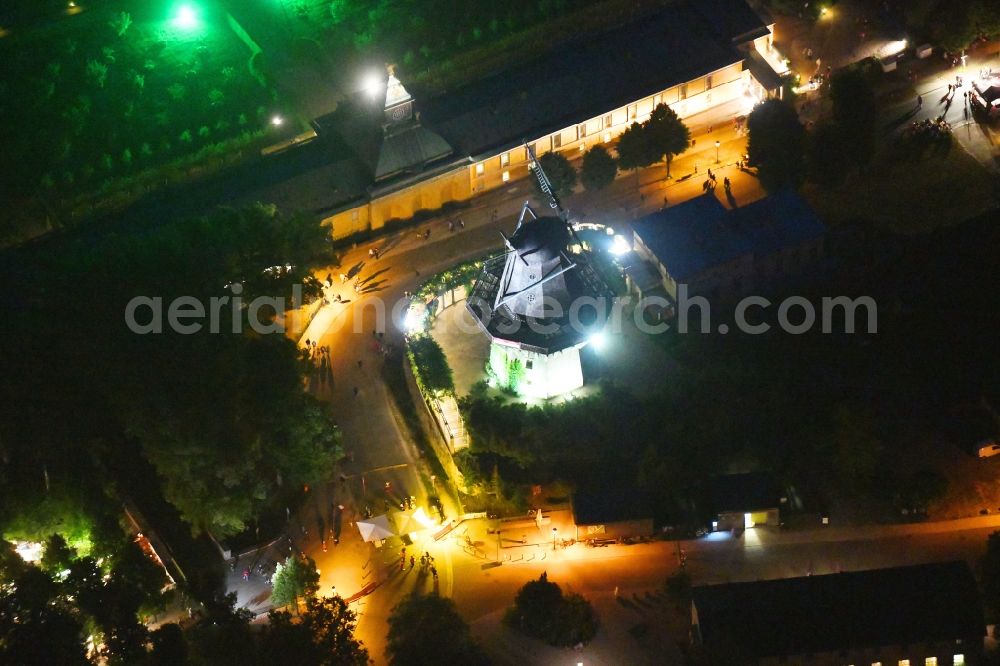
427	629
854	113
322	636
635	151
666	133
541	610
777	145
599	169
956	24
221	416
297	578
46	614
430	365
560	173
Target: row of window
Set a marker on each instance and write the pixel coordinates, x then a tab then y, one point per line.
596	125
956	660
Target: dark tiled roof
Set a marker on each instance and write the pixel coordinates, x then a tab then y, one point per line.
753	491
862	609
701	233
584	79
735	19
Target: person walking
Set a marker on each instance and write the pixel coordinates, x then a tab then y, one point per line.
920	101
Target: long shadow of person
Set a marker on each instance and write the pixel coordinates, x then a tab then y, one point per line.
731	199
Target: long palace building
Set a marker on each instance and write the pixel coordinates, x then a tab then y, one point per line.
397	156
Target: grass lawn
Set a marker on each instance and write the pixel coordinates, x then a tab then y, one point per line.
909	194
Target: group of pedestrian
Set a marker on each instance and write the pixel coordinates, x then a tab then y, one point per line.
711	182
316	351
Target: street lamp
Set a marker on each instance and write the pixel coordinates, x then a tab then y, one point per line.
186	18
717	144
554	532
276	120
372	84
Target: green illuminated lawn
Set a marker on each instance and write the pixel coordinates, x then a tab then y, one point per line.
92	101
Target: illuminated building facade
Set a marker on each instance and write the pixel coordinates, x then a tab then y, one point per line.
403	157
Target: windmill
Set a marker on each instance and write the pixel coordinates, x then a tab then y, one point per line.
524	297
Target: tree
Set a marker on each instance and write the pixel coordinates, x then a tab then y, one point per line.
599	169
324	636
536	606
430	365
429	630
635	151
11	564
666	134
954	25
541	611
826	155
120	23
36	627
168	646
854	113
777	145
856	449
296	578
57	555
560	173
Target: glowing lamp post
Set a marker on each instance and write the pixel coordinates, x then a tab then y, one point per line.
717	144
555	531
186	18
372	85
277	120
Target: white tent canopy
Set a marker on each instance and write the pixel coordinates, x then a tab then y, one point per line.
376	528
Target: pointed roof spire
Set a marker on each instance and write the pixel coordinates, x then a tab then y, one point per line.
395	93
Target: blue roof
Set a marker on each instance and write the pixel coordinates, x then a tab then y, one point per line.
698	234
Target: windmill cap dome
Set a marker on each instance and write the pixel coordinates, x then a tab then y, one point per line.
541	239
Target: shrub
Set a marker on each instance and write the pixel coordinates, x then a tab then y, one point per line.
430	367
